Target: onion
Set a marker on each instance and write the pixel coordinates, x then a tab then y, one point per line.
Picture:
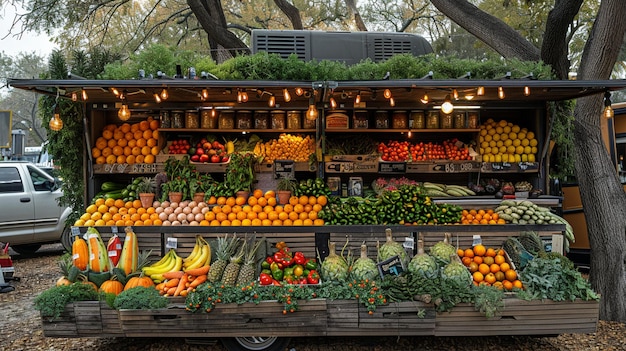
184	203
172	217
156	203
187	210
181	217
167	223
202	204
194	223
192	204
165	204
159	209
168	210
199	217
205	210
178	210
190	217
174	205
176	223
163	216
196	210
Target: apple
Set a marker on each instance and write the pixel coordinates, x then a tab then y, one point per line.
195	158
216	159
199	151
204	158
225	159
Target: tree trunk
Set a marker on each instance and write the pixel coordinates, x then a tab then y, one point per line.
291	12
554	47
602	195
491	30
358	20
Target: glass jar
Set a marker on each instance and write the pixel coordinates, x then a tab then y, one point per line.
207	121
227	119
244	119
360	119
459	120
399	120
417	120
166	120
293	119
382	119
472	120
309	123
433	120
446	121
261	119
278	119
178	120
191	119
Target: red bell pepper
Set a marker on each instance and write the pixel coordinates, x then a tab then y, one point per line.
299	258
313	277
265	279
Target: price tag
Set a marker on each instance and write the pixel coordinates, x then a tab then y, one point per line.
393	265
75	231
284	169
500	166
144	168
114	230
409	243
476	240
171	243
392	167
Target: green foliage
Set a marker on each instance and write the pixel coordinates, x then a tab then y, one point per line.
561	134
153	59
51	303
140	298
488	300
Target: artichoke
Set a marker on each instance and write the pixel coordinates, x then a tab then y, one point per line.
455	270
392	248
423	264
334	267
364	267
442	250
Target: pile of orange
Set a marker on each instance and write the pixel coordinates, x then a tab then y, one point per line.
481	217
127	143
489	266
261	209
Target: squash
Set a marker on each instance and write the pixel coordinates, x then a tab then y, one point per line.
112	286
63	281
80	253
98	255
130	253
144	281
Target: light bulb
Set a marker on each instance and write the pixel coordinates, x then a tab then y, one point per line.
480	91
164	94
526	91
83	94
205	94
357	99
286	95
213	113
299	91
447	106
425	99
387	93
56	123
244	96
608	112
311	113
333	103
392	102
469	96
501	92
455	94
115	91
74	96
157	98
123	113
272	101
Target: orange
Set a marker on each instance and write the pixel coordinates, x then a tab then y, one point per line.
226	223
287	222
303	200
262	201
484	268
488	260
262	215
312	200
518	284
277	222
473	267
505	267
303	216
313	215
500	276
226	208
212	200
490	252
507	285
494	268
257	208
288	208
221	200
235	222
246	222
499	259
269	193
293	216
257	222
216	209
490	278
252	200
257	193
318	221
478	259
231	201
283	216
322	200
271	201
498	285
317	207
468	253
240	200
266	222
272	215
298	208
298	222
510	275
478	277
293	200
466	261
232	216
214	223
242	215
149	158
221	216
209	216
479	250
307	222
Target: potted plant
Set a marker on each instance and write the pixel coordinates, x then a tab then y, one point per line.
284	188
145	191
239	175
199	186
179	174
176	189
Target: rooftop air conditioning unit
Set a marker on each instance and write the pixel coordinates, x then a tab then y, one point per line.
347	47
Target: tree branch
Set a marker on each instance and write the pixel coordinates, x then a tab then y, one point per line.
291	12
554	48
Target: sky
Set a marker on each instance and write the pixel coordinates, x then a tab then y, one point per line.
27	43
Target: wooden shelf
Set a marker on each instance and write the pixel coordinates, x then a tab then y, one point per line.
405	130
250	130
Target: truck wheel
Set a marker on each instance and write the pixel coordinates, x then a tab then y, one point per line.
256	343
26	249
66	239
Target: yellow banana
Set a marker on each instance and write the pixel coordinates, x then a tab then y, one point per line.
163	262
201	259
171	264
194	252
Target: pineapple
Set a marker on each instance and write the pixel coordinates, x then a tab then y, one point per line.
334	267
229	278
423	264
364	267
248	270
225	248
392	248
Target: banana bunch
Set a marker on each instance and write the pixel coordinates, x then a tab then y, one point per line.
199	256
444	190
169	263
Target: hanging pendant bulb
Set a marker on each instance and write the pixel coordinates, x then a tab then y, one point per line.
392	102
311	113
286	95
205	94
480	91
299	91
74	96
333	103
83	94
608	110
124	112
244	96
164	94
447	106
157	98
357	99
213	112
387	93
526	91
501	92
455	94
425	99
56	123
115	91
271	102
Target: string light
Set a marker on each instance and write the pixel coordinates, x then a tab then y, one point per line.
299	91
455	94
84	95
501	92
286	95
311	113
115	91
205	94
480	91
271	102
333	103
74	96
213	112
56	123
387	93
157	98
526	91
357	99
124	112
608	110
425	99
392	102
164	94
447	106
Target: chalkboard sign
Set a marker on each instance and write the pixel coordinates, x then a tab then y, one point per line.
284	169
5	129
393	266
392	167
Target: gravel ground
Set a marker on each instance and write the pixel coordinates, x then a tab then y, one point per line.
20	327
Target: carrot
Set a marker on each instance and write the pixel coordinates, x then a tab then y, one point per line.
199	271
170	291
199	280
173	275
160	286
184	293
181	285
172	283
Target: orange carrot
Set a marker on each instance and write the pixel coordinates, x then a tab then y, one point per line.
170	291
160	286
181	285
199	271
173	275
172	283
199	280
184	293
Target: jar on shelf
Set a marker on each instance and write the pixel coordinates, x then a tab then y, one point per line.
244	119
191	119
309	123
399	120
472	119
433	120
417	120
293	119
261	119
278	119
227	119
446	121
166	120
178	119
382	119
459	119
360	119
207	121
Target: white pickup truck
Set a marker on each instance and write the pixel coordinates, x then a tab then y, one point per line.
30	214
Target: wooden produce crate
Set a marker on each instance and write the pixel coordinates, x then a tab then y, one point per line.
265	318
521	317
343	317
398	318
84	319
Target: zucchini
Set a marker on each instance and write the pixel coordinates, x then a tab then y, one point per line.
111	186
